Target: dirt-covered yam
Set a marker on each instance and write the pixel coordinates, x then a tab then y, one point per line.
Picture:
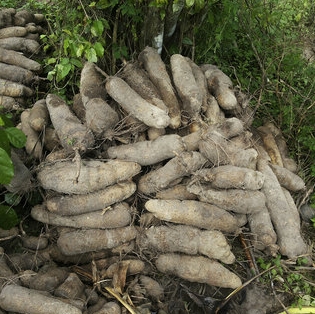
186	85
156	69
39	115
79	204
188	240
94	175
194	213
27	46
90	240
13	89
197	269
133	103
72	133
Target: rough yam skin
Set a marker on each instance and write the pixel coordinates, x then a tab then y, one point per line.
72	133
85	203
94	175
90	240
198	269
188	240
194	213
133	103
23	300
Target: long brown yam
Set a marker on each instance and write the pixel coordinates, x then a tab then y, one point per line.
156	70
21	44
186	85
91	83
138	80
287	227
39	115
197	269
236	200
117	217
71	132
82	241
194	213
182	165
94	175
188	240
19	299
85	203
13	31
133	103
149	152
16	58
13	89
16	74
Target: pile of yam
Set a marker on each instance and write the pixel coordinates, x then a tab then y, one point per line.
148	174
20	32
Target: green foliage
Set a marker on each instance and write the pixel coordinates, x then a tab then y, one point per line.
8	217
290	279
9	136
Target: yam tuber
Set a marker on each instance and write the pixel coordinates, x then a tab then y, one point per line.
13	31
15	58
94	175
27	46
236	200
72	133
39	115
182	165
85	203
89	240
149	152
117	217
197	269
188	240
13	89
134	104
186	85
156	70
23	300
231	177
194	213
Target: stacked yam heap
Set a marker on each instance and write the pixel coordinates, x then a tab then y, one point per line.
19	44
157	163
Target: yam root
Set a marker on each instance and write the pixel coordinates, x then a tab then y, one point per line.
117	217
85	203
100	116
138	80
72	133
133	103
177	192
282	215
8	104
236	200
231	177
33	144
13	89
220	86
89	240
149	152
91	83
39	115
186	85
94	175
156	70
13	299
13	31
197	269
188	240
194	213
28	46
288	179
182	165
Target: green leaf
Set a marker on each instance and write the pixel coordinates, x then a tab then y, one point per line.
62	71
16	137
6	167
99	49
8	217
12	199
4	141
190	3
76	62
91	55
80	50
97	28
